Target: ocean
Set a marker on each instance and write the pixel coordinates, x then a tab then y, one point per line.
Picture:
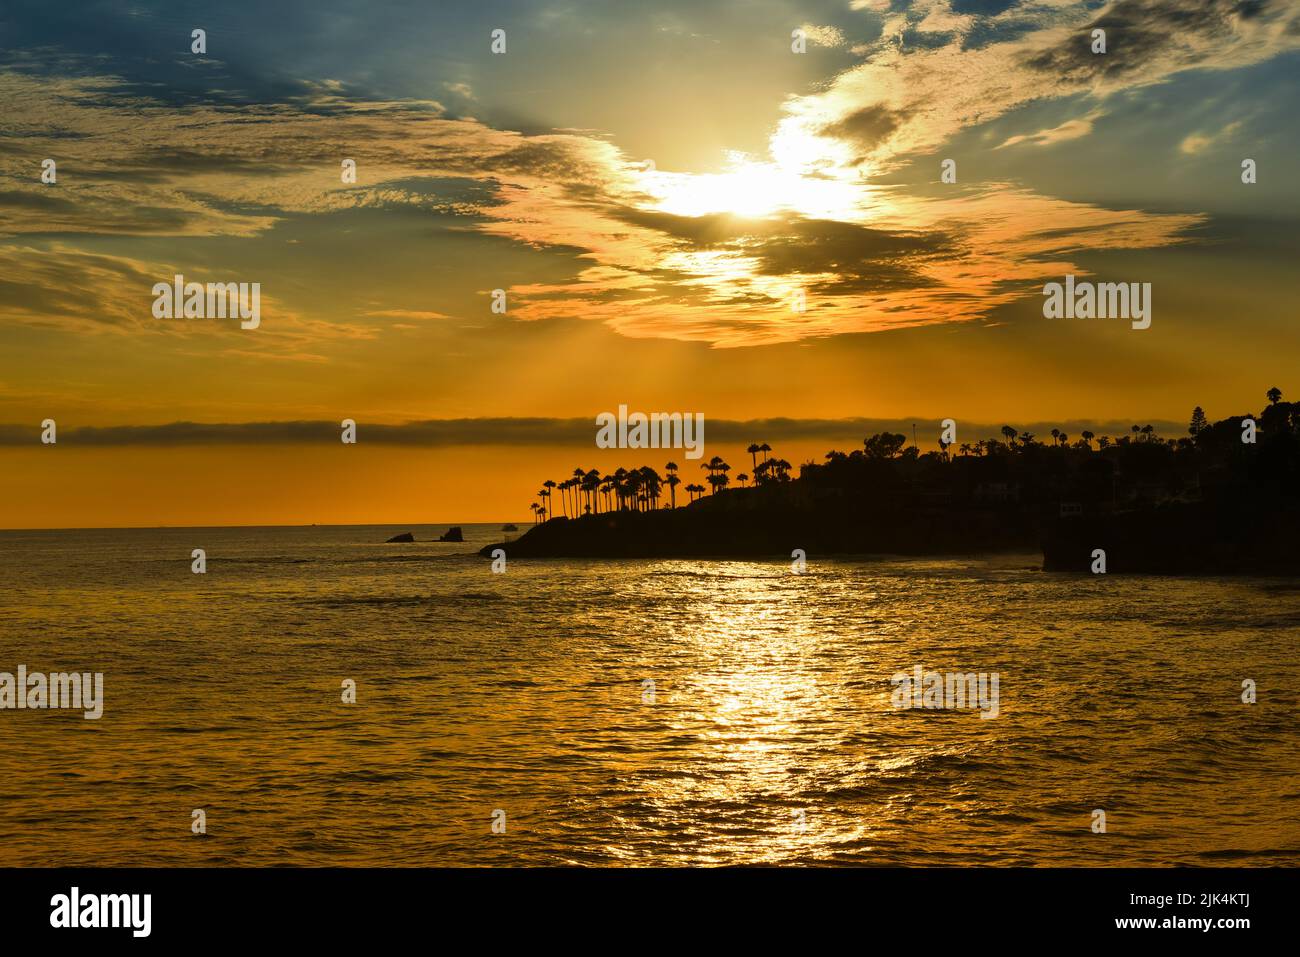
508	719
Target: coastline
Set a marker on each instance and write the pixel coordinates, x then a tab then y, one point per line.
1218	538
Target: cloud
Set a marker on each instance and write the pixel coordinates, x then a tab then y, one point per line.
421	314
1069	130
731	282
578	432
713	257
1195	143
63	287
866	127
58	286
824	36
932	92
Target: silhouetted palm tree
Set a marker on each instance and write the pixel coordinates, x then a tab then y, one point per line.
753	454
620	488
672	482
714	465
576	486
1274	395
590	484
651	485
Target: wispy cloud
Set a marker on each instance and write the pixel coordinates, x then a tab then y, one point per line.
1199	142
932	90
1069	130
823	35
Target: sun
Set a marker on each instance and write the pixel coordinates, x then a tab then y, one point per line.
800	180
746	189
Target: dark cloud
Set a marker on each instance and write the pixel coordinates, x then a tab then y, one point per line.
222	159
861	258
983	8
60	217
985	32
555	160
45	200
820	246
1140	31
714	229
827	241
525	432
868	127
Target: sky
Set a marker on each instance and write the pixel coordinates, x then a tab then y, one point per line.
683	212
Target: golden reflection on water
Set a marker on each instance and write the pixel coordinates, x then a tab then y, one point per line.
770	738
750	711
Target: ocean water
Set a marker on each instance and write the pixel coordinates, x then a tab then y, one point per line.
770	739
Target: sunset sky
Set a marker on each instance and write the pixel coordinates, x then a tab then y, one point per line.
651	184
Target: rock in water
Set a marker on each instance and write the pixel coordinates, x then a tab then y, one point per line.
454	534
404	537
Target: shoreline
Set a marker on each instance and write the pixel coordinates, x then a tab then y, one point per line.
1199	538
